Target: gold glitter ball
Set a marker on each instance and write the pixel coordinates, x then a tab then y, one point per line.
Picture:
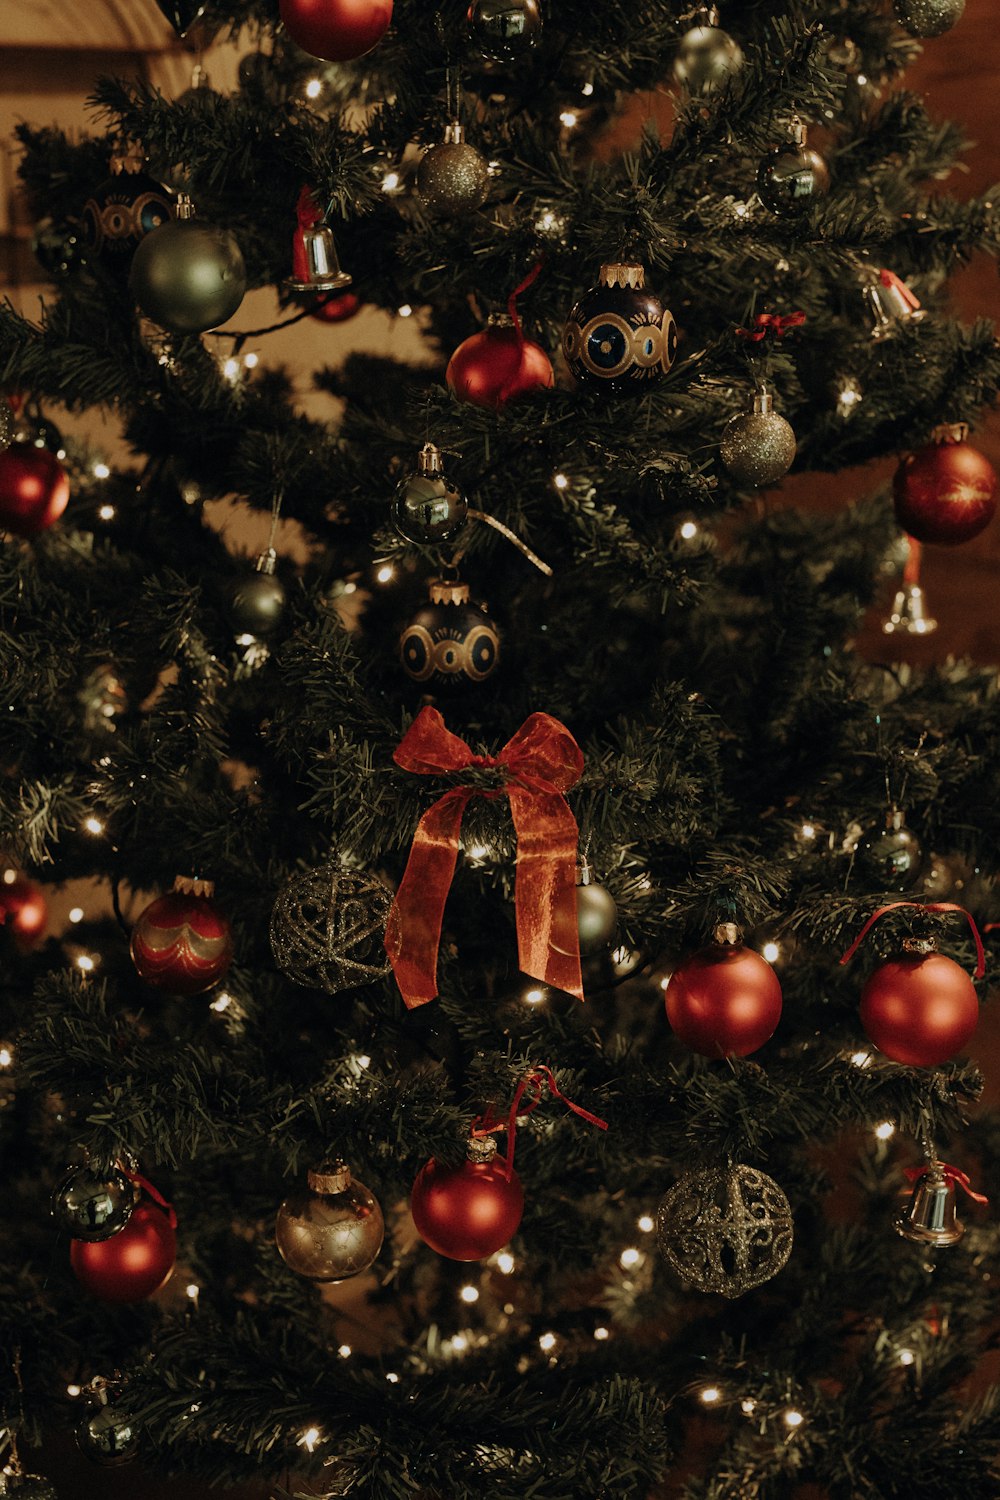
725	1230
453	178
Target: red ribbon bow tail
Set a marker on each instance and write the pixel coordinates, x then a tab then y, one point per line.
413	931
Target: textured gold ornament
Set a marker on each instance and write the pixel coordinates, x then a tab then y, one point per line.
452	177
333	1230
327	929
758	445
725	1230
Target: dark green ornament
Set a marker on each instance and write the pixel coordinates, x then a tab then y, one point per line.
793	176
182	14
596	914
259	601
188	276
429	508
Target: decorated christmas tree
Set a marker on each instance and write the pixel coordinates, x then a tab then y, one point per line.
525	787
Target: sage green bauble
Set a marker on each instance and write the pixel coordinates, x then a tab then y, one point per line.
188	276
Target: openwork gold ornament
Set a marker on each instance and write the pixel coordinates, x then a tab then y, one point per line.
725	1230
327	929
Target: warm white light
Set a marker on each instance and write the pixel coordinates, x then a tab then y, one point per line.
711	1394
231	368
101	471
9	876
76	913
86	963
469	1294
460	1342
406	311
569	118
534	997
549	222
251	360
689	530
748	1406
741	210
314	88
390	182
645	1223
221	1002
364	1061
560	481
546	1342
386	573
771	952
848	395
93	825
587	89
344	1351
906	1356
808	831
191	1290
505	1262
6	1057
477	851
602	1333
885	1131
350	588
309	1439
861	1059
665	981
72	1390
630	1257
392	1378
106	512
793	1418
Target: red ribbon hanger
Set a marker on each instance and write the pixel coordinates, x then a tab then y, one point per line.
889	279
157	1197
951	1174
538	1079
523	286
776	323
541	762
921	906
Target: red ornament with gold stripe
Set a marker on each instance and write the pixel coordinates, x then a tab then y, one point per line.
182	943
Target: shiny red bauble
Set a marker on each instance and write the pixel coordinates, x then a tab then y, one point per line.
466	1212
947	492
493	366
24	910
337	30
182	943
724	1001
920	1010
335	307
132	1264
33	489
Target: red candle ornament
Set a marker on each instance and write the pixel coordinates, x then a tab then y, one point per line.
725	1000
34	489
182	943
337	30
947	492
24	910
137	1260
922	1008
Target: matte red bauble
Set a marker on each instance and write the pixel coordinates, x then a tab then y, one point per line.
497	364
132	1264
337	30
946	493
335	307
471	1211
24	910
724	1001
33	489
182	943
920	1009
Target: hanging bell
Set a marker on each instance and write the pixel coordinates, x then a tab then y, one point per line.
909	613
892	305
930	1217
319	261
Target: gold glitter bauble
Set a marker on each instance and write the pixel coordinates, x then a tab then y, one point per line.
725	1230
328	929
332	1230
758	445
928	17
452	177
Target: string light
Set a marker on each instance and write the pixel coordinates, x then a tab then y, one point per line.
689	530
469	1294
73	1390
885	1131
907	1357
390	182
505	1262
386	573
392	1377
221	1002
569	118
9	876
665	981
6	1056
76	913
602	1333
587	89
793	1418
534	996
106	513
309	1439
807	831
314	88
406	311
363	1060
549	222
345	1351
93	825
748	1406
86	962
861	1059
101	471
849	395
476	852
630	1257
460	1342
561	481
710	1395
771	952
547	1342
645	1223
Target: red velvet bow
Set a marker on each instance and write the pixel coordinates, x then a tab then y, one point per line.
890	279
950	1174
775	323
541	762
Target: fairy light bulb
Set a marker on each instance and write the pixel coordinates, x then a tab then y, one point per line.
392	1377
710	1395
406	311
101	471
569	118
93	825
314	88
309	1439
602	1333
6	1057
771	952
861	1059
469	1294
906	1357
547	1342
561	481
505	1262
345	1351
748	1406
885	1131
793	1418
106	512
386	573
630	1257
645	1223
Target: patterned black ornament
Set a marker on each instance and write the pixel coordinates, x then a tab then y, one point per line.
120	212
793	176
182	14
505	30
619	336
429	508
451	643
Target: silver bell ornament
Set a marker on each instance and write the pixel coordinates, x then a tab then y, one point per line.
332	1230
504	30
107	1436
890	857
892	305
793	176
453	178
908	615
93	1206
317	265
707	57
927	18
258	602
931	1216
758	445
596	913
188	276
429	508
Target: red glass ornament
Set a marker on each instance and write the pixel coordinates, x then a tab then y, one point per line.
34	489
337	30
24	910
724	1001
493	366
335	307
182	943
467	1212
947	492
132	1264
920	1009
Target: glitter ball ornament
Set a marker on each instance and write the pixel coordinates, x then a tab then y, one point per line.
505	30
258	602
8	425
947	492
34	489
707	57
451	643
468	1212
619	336
920	1009
182	943
122	211
725	1000
890	858
24	911
928	18
337	30
793	176
331	1231
94	1206
132	1264
186	275
498	364
429	508
758	445
107	1435
23	1486
327	929
727	1229
453	177
596	913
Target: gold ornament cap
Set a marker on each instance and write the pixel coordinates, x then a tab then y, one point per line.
193	885
624	274
447	591
761	403
184	207
481	1149
329	1177
950	432
267	562
728	933
454	134
500	320
430	459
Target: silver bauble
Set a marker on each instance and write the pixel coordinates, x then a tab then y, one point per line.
108	1437
706	58
258	602
93	1207
505	30
758	445
596	915
429	507
328	929
890	858
452	177
332	1230
928	18
793	176
725	1230
188	276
